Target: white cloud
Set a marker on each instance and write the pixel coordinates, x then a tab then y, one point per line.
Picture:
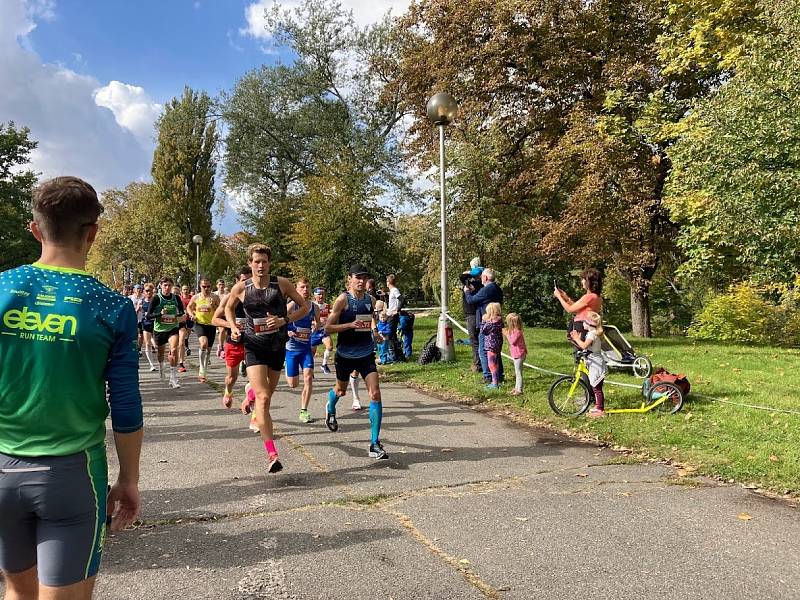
132	107
75	135
365	12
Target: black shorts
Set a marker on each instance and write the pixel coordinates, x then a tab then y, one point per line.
188	324
139	327
273	359
207	331
147	326
364	365
162	337
53	515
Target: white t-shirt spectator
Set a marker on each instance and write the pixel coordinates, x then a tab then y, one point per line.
394	301
137	305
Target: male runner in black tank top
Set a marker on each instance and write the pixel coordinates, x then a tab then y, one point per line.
264	300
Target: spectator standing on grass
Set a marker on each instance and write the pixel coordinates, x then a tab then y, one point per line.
492	331
471	279
490	292
517	348
591	301
394	304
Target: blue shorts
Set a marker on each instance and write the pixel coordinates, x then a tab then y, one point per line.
317	337
53	515
297	358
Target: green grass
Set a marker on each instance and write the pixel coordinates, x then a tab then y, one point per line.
754	447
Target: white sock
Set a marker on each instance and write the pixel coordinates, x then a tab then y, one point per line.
325	356
203	359
354	386
147	355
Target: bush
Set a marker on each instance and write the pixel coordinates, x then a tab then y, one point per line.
742	315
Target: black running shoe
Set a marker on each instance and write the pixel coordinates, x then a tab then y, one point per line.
377	452
330	421
188	351
274	465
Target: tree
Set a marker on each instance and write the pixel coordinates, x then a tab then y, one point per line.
138	232
17	245
736	178
184	163
326	242
549	137
289	123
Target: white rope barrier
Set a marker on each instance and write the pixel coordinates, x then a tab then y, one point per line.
788	411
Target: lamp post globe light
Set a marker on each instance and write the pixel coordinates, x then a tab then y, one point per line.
197	241
442	109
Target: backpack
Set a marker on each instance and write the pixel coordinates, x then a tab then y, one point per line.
662	375
430	352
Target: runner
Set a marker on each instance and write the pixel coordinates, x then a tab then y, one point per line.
201	310
298	348
53	405
222	332
320	335
167	313
186	327
137	298
148	339
234	349
264	299
353	319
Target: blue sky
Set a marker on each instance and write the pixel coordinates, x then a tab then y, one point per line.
90	77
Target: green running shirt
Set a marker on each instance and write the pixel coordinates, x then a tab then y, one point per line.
63	336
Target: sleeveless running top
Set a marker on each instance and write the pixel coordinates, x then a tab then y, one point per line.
355	343
145	308
302	332
168	320
260	303
204	309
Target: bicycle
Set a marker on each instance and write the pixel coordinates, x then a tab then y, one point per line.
571	395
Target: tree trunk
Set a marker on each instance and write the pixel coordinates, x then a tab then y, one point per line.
640	310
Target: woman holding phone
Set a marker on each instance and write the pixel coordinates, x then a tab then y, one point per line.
590	301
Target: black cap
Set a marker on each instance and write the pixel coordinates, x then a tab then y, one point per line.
358	269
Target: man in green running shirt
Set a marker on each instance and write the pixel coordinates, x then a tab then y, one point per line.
64	337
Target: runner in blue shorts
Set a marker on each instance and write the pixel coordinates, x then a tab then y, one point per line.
65	337
298	349
353	320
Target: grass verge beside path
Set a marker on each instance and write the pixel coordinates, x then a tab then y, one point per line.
753	447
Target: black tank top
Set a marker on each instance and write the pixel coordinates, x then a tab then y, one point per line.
260	303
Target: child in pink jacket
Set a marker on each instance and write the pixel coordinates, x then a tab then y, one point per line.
518	349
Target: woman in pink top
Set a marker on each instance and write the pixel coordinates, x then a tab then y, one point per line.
591	301
516	342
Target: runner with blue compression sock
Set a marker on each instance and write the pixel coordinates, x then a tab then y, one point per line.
353	319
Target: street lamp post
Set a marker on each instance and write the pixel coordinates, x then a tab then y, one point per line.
442	109
197	241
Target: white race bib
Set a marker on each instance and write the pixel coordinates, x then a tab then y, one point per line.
302	334
168	319
363	323
260	326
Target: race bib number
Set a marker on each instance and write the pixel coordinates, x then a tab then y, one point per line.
169	319
241	323
363	323
302	334
204	309
260	326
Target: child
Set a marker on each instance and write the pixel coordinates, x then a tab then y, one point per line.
518	349
594	361
492	330
384	328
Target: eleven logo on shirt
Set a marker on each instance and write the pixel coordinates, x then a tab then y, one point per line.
32	325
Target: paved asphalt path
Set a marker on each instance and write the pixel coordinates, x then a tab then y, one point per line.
469	505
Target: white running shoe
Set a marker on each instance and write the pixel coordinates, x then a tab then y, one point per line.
153	369
356	404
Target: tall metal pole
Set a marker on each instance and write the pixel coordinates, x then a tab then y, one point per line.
442	205
197	270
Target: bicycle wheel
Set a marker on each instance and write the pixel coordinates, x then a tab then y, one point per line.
569	404
642	367
674	401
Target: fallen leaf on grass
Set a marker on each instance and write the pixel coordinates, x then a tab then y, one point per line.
744	516
773	458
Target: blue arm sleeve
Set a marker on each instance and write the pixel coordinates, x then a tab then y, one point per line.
122	374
